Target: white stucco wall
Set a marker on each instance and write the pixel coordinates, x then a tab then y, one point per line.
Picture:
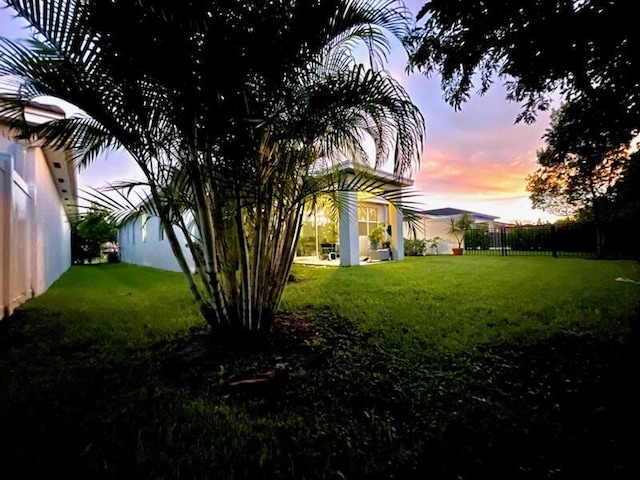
152	251
34	228
3	234
427	228
53	231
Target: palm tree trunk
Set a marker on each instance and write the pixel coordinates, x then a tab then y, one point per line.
244	310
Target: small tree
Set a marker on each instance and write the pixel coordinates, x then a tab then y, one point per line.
458	227
434	243
89	233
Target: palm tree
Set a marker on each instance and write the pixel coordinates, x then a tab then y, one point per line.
458	227
236	112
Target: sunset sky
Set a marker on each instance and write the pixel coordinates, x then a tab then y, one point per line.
475	159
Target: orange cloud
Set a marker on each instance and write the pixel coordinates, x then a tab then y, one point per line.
443	173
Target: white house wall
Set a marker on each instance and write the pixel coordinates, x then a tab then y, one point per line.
152	251
34	229
53	231
20	242
428	228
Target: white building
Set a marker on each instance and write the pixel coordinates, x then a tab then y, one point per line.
143	242
435	223
364	212
37	198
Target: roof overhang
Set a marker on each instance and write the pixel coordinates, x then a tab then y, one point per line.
60	162
64	176
388	180
455	212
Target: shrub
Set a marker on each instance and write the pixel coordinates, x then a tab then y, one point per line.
415	247
477	239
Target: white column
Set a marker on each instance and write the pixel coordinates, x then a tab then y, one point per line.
396	220
349	245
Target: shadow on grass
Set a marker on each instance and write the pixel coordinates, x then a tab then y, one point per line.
338	407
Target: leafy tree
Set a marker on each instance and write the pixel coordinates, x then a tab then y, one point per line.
585	48
89	233
626	192
236	113
579	168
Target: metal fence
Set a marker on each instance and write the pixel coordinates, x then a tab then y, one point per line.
561	239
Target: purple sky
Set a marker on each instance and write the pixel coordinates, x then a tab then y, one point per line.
475	159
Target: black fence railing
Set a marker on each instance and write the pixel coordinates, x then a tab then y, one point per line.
560	239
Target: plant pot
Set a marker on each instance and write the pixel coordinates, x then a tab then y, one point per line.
457	251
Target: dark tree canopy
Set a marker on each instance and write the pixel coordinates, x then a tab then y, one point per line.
576	47
580	166
581	162
627	194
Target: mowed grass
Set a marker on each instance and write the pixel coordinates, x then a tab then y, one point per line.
120	306
440	367
452	303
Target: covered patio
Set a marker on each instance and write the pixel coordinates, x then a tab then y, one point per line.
345	241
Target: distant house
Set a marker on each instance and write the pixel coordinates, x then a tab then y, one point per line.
37	198
436	222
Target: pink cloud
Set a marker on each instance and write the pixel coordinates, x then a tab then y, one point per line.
443	172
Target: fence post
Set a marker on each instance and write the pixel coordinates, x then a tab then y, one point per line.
503	241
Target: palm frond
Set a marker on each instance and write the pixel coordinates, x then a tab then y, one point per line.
340	109
12	112
83	137
371	21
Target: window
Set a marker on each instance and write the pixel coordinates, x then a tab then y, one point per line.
368	219
20	162
143	228
18	154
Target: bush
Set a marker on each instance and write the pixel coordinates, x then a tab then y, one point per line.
477	239
415	247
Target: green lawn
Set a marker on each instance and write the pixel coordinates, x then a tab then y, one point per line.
439	367
442	302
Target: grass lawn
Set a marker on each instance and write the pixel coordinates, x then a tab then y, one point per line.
439	367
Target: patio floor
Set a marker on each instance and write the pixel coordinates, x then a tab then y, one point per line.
313	260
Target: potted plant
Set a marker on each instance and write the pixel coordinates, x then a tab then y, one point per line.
376	236
458	228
